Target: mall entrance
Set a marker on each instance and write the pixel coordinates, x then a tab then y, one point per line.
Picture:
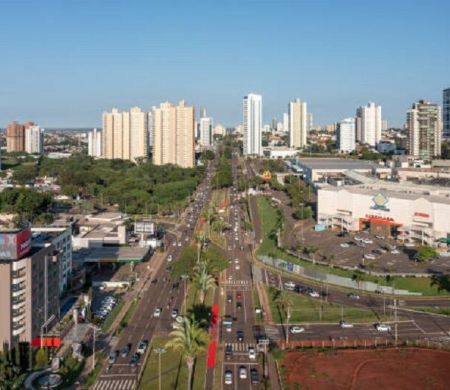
379	226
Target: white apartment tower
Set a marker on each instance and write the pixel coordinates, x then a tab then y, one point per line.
285	122
252	124
298	124
368	124
95	143
346	135
174	135
34	139
424	123
125	134
205	131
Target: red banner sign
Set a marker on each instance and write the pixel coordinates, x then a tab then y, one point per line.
46	342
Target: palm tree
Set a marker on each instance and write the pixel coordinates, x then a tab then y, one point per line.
200	238
209	214
189	338
218	226
285	303
203	280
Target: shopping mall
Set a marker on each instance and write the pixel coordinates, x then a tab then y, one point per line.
410	213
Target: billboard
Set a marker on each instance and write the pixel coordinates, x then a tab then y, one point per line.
15	245
145	228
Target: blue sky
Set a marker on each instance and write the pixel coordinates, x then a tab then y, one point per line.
62	63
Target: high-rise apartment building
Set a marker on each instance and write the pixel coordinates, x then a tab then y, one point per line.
34	139
125	134
205	131
446	112
174	135
95	143
368	124
298	124
346	135
285	122
15	137
424	125
29	286
252	124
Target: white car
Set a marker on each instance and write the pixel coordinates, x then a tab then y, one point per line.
252	353
344	324
344	245
369	256
395	251
314	294
169	258
236	261
367	241
228	377
242	372
157	312
296	329
357	238
238	267
380	327
290	285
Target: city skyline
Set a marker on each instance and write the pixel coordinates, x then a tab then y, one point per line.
335	56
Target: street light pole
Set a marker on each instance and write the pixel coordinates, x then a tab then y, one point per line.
159	351
93	344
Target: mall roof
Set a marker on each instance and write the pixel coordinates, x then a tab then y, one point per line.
111	254
336	163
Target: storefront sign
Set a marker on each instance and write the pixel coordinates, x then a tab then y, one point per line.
422	215
371	217
379	202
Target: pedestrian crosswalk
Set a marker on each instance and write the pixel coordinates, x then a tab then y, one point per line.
238	284
272	332
115	384
241	347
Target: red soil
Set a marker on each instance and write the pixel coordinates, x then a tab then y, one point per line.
368	369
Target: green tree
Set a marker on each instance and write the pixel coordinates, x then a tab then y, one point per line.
41	358
203	280
190	339
425	253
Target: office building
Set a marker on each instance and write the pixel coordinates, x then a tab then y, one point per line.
446	112
34	139
174	135
29	286
95	143
15	137
252	124
125	134
368	124
346	135
61	239
424	126
298	124
205	131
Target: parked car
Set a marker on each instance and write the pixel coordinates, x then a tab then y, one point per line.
314	294
367	241
354	296
296	329
229	298
228	377
344	245
254	376
242	372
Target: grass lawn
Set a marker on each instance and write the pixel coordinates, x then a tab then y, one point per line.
123	324
271	220
174	374
306	309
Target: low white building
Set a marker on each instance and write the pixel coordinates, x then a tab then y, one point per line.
413	213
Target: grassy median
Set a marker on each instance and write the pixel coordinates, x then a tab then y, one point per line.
306	309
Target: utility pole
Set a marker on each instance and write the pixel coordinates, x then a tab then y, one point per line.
159	351
395	324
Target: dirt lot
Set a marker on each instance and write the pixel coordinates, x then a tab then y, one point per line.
368	369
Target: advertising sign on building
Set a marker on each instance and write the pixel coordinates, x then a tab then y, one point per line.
15	244
145	228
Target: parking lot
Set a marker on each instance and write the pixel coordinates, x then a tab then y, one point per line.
377	254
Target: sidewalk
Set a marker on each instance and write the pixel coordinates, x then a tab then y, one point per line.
264	300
